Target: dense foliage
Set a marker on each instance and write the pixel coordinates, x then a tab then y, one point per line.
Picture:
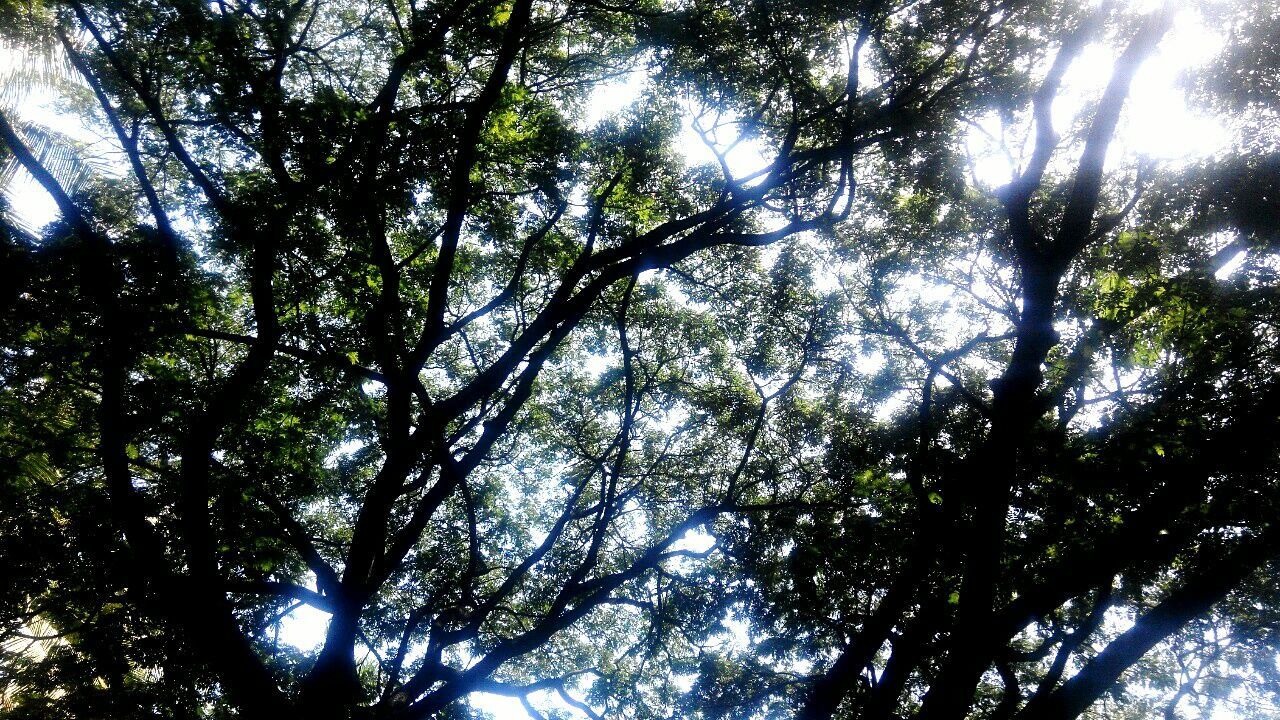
394	312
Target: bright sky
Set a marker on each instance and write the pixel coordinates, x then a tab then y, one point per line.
1158	123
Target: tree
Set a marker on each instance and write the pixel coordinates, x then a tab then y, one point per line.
373	317
977	545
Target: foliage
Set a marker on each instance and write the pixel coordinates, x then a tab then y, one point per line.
373	311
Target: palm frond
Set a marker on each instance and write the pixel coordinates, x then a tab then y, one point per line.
33	67
31	58
63	157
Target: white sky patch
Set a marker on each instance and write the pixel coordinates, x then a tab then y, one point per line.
1098	399
503	707
989	160
1082	84
869	363
1229	267
672	419
943	302
304	628
38	105
695	540
30	201
500	707
737	632
610	98
707	137
892	405
826	279
27	198
683	681
1158	123
344	450
597	363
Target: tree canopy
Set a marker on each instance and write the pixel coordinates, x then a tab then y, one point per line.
425	318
